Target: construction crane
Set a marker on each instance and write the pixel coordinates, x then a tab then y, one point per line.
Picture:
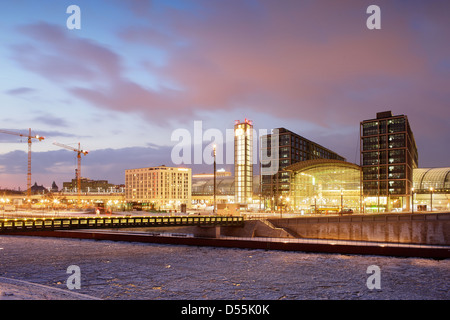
79	152
30	138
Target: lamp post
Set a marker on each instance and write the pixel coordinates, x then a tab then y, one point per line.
431	198
214	205
412	200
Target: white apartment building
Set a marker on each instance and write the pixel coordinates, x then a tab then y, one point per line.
164	188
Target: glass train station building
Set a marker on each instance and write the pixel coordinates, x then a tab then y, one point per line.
431	189
388	179
325	186
313	179
331	186
277	187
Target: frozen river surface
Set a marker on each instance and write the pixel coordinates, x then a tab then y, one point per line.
121	270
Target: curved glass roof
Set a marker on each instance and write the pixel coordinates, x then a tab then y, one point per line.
205	186
224	185
310	164
436	178
324	184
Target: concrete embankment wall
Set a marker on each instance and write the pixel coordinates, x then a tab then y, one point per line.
251	228
431	228
256	228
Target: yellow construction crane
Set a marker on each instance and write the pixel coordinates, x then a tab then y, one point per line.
30	138
79	152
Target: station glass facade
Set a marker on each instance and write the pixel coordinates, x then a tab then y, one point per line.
431	189
292	148
325	186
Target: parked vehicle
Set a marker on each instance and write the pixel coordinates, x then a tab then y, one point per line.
346	211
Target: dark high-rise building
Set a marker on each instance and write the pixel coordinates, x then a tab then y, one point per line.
292	148
388	157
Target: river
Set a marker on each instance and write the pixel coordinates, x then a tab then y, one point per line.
132	271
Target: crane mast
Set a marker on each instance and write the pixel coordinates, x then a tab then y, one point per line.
79	152
29	139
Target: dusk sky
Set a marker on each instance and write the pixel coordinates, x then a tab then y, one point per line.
138	70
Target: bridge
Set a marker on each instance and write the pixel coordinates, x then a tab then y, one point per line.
70	223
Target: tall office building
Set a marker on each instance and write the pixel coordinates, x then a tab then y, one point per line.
243	161
388	157
291	148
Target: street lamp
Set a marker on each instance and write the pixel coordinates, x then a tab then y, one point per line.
214	207
412	200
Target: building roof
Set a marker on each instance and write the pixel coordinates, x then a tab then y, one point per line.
309	164
224	185
205	186
437	178
283	130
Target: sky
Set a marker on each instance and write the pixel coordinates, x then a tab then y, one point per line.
137	71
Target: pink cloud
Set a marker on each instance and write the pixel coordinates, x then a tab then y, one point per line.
124	95
281	61
314	61
55	54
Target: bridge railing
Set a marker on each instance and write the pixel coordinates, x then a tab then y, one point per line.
36	224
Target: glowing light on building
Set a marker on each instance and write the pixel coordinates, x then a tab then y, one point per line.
243	166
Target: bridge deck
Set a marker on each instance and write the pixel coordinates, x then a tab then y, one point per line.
36	224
